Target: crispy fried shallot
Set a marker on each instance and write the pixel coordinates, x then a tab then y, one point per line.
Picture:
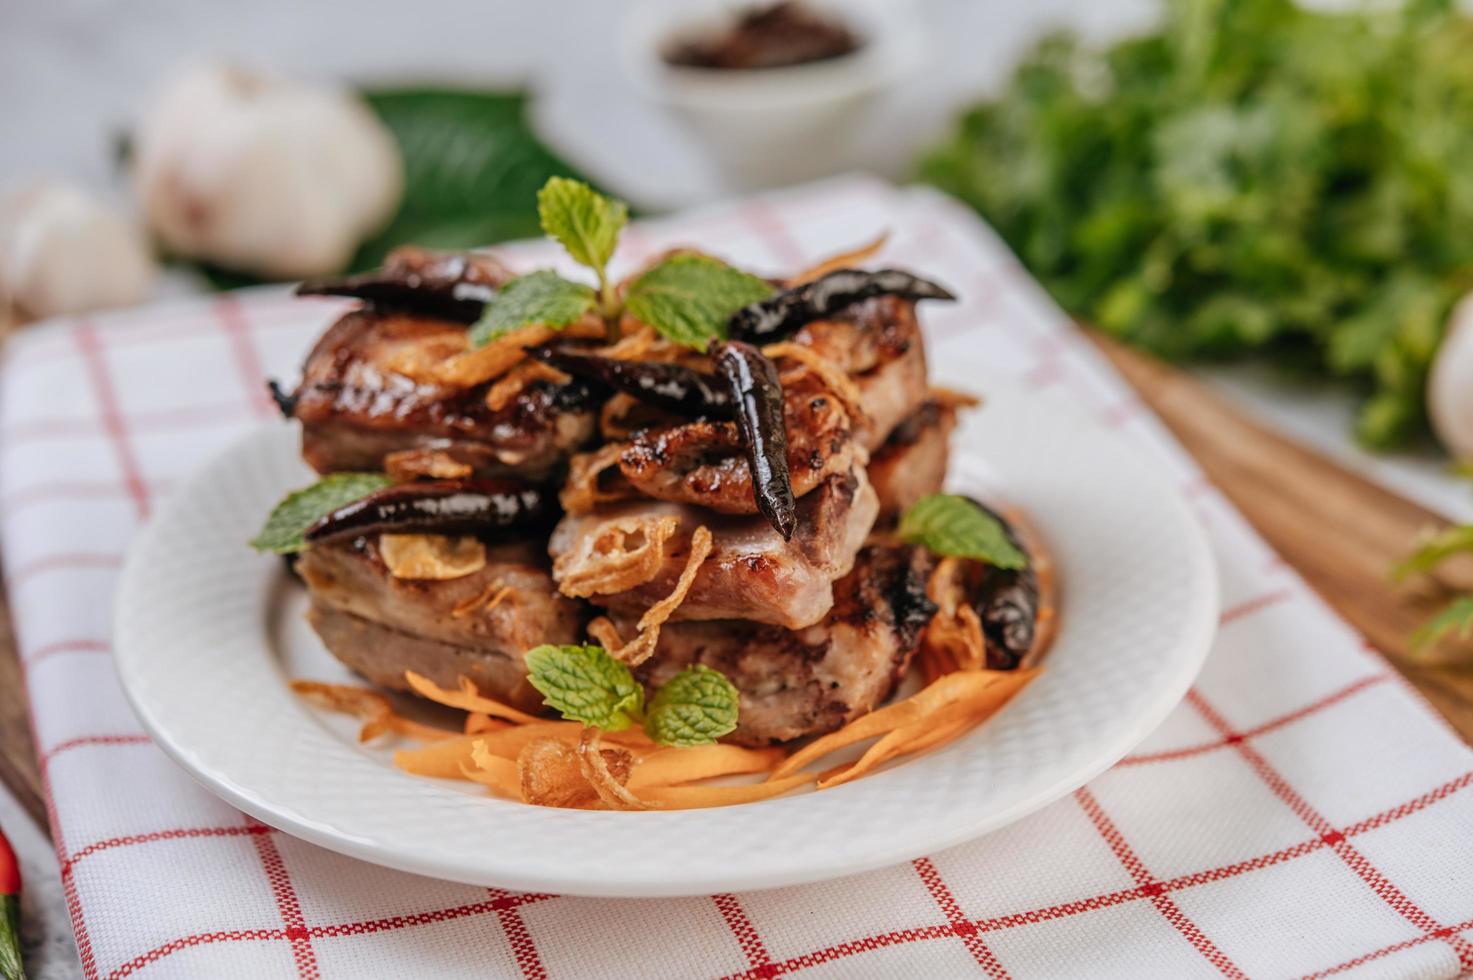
844	260
623	553
642	647
607	780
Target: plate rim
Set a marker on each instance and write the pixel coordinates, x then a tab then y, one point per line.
1193	648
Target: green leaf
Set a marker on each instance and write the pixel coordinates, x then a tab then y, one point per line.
689	298
695	707
301	508
538	297
954	526
584	683
583	220
1457	617
472	168
1434	549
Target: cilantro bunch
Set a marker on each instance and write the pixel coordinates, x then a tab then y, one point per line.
583	683
1252	177
686	298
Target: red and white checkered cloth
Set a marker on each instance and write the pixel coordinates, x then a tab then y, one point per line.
1302	813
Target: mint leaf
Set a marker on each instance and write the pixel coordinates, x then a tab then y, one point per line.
1456	617
1436	549
689	298
585	684
954	526
538	297
301	508
583	220
695	707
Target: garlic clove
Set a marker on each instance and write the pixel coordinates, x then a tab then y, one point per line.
64	251
1450	386
265	175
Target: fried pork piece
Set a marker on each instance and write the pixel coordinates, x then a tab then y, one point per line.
912	462
702	462
381	626
796	683
877	342
751	573
355	410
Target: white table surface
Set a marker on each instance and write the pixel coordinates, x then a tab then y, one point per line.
74	73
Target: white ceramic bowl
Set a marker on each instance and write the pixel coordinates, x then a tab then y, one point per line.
773	126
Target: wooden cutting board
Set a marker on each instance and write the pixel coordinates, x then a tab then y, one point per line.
1339	530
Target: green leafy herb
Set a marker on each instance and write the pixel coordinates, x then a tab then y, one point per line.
301	508
585	222
538	297
952	525
1253	176
695	707
686	298
1434	550
585	684
689	298
1456	618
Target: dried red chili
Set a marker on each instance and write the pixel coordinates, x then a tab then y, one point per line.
439	507
757	396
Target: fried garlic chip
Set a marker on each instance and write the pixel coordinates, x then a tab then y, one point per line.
431	556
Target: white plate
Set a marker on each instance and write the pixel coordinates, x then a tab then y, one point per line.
207	633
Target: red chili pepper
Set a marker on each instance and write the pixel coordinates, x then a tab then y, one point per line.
11	967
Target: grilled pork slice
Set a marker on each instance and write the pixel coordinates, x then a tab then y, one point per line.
381	626
356	410
878	342
751	572
796	683
912	462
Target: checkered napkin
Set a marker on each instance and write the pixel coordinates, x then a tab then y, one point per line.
1302	813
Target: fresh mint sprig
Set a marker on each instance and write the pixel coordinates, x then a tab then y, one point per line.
686	298
300	509
585	684
955	526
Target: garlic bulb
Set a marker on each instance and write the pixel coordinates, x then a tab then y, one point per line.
64	251
264	175
1450	387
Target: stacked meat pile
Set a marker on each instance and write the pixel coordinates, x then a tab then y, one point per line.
726	507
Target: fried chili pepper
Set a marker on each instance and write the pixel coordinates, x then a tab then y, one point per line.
1007	603
674	388
11	967
757	396
787	311
455	286
438	507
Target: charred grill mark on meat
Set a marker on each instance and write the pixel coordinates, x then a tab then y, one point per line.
912	462
355	409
